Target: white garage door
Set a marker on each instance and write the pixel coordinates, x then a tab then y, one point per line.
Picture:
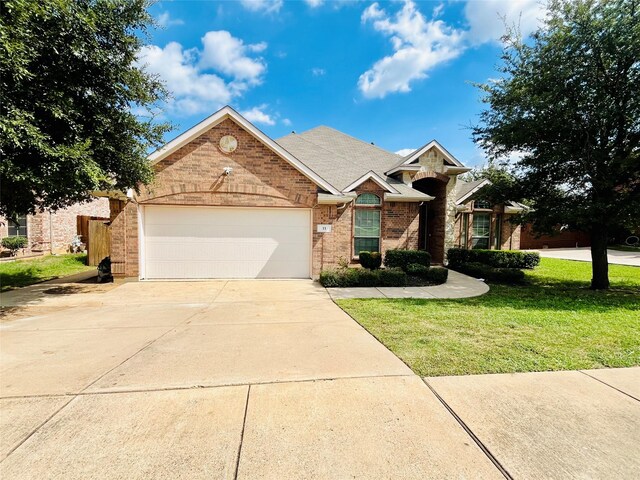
203	242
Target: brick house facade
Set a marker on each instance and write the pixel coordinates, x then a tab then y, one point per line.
53	232
322	171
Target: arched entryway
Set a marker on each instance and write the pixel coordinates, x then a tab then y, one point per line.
432	214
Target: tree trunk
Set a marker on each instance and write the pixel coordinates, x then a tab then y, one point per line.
599	261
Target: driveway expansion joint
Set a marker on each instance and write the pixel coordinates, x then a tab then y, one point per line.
473	436
609	385
244	423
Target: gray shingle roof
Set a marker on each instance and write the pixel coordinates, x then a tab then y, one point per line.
463	188
339	158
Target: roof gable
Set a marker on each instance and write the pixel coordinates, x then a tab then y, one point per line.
228	112
416	154
467	189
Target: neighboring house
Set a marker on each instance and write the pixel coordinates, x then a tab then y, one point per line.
230	202
561	238
53	232
479	224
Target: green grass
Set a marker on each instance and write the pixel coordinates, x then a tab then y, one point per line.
554	322
20	273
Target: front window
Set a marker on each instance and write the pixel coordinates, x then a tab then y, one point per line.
484	204
19	228
366	235
481	230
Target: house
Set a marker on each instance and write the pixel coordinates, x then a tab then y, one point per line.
53	231
479	224
230	202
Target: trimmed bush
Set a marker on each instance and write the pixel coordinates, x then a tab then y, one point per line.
498	275
370	260
403	258
434	275
13	244
360	277
493	258
392	277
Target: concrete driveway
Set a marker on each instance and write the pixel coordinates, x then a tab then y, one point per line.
584	255
264	379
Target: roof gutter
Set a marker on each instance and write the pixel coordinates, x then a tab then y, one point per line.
398	197
330	199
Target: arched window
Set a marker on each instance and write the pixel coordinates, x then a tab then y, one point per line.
484	204
368	199
366	232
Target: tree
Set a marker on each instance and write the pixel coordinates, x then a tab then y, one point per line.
567	107
69	87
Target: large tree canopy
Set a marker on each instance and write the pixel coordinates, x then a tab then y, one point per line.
566	111
69	84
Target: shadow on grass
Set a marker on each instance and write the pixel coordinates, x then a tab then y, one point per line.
540	298
22	278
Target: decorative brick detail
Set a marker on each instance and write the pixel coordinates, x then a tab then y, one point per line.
431	174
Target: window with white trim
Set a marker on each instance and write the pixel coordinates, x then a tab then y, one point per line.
19	228
366	232
481	230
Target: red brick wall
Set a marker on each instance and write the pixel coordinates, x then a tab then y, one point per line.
193	175
564	239
399	229
59	227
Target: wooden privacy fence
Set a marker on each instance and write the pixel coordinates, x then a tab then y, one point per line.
98	241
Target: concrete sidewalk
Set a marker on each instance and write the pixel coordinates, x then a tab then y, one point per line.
270	379
457	286
617	257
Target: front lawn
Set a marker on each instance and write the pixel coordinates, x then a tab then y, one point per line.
20	273
554	322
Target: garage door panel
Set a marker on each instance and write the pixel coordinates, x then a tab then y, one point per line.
203	242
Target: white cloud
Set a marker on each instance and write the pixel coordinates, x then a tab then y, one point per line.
196	78
265	6
487	19
286	121
165	20
419	46
314	3
318	72
258	115
403	152
228	55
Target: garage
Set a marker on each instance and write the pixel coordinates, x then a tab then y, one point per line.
216	242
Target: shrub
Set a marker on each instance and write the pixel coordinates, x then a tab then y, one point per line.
392	277
493	258
370	260
13	244
360	277
434	275
492	274
403	258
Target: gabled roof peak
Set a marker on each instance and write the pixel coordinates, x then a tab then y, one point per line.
228	112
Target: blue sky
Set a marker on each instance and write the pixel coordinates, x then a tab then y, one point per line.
394	73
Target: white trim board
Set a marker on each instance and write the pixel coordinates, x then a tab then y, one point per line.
371	175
